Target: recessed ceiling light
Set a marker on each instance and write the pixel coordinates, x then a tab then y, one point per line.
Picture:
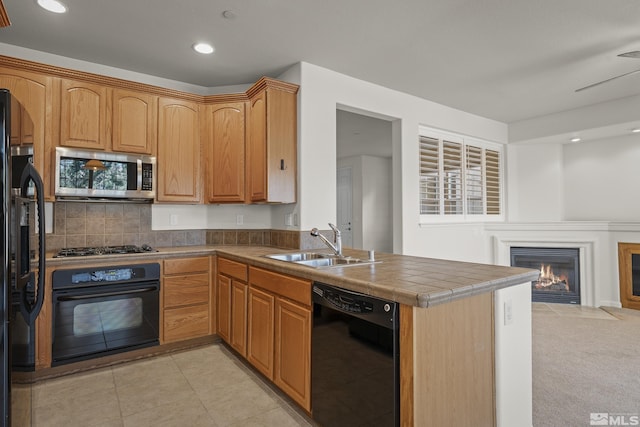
204	48
53	6
229	14
636	130
575	139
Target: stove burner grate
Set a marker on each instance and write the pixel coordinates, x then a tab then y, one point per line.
103	250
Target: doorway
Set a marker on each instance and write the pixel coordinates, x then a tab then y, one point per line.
364	181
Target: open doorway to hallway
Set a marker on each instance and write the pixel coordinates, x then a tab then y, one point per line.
364	181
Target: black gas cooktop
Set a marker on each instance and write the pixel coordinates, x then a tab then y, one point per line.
103	250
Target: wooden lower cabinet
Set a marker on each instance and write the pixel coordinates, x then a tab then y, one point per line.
279	332
293	351
238	339
186	322
223	302
232	304
261	331
186	292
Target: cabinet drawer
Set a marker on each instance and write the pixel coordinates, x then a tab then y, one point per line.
186	322
289	287
185	290
234	269
186	265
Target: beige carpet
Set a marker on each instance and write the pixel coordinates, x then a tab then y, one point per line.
585	360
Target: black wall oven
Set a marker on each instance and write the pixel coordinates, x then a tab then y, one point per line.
104	310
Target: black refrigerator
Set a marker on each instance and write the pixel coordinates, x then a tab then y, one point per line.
23	257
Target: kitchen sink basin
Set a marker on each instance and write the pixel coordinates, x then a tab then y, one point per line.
319	260
298	257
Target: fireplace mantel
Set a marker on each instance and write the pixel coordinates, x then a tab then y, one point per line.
572	226
502	256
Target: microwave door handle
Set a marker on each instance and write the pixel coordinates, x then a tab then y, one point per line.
31	308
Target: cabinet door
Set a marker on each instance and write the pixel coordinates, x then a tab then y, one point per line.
21	124
271	152
260	331
186	322
226	153
239	317
36	94
178	151
257	148
134	122
188	289
224	308
293	351
83	115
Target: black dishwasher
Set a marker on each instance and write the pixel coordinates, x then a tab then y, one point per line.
354	359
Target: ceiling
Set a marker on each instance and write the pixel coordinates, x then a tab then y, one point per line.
507	60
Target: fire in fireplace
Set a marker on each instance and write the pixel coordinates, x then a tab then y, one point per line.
547	280
559	278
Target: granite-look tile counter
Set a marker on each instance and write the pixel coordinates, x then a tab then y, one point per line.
416	281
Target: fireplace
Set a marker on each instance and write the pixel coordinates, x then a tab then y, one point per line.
559	272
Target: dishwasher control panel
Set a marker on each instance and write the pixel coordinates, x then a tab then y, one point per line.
373	309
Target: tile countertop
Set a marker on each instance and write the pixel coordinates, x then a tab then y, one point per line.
410	280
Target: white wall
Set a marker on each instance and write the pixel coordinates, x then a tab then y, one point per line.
322	91
602	180
535	174
590	181
513	357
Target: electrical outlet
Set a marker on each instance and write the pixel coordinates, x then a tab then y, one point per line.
173	219
508	312
239	219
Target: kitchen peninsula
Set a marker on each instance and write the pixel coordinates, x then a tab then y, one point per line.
465	329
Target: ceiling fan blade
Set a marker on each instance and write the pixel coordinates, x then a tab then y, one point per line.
632	54
608	80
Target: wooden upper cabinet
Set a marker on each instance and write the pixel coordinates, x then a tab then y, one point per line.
134	118
35	95
271	142
225	159
178	151
21	124
83	115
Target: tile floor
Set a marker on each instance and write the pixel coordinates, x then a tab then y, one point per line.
571	310
207	386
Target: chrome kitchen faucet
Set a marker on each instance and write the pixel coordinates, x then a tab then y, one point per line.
336	246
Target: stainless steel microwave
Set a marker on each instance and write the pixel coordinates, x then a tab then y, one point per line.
85	174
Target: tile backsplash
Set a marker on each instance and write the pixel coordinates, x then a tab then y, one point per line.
78	224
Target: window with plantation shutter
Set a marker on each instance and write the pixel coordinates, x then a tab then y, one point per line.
475	202
429	176
492	183
460	178
452	174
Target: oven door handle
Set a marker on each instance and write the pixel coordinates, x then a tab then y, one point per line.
107	294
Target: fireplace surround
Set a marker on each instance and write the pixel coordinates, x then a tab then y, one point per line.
559	272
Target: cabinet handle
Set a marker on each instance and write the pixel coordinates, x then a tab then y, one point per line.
282	164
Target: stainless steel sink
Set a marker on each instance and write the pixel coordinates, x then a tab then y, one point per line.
298	257
319	260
